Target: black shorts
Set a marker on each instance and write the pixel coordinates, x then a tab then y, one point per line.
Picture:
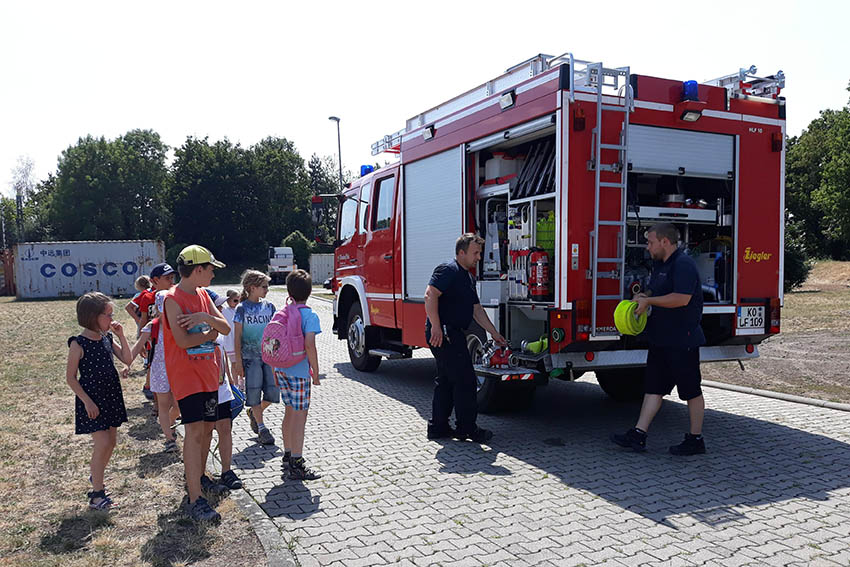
202	406
223	411
673	366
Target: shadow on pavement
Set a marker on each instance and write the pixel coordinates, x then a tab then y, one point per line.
255	455
750	462
292	500
460	457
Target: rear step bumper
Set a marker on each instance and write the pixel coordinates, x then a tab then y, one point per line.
625	358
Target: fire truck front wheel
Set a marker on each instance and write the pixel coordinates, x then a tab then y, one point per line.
622	384
358	341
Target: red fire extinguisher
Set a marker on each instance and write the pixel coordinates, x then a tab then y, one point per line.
539	277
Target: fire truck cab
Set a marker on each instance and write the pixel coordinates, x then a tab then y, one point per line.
562	165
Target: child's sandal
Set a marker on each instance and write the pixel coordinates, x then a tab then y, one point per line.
98	500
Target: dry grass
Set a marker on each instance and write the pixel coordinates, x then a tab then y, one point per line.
44	520
811	355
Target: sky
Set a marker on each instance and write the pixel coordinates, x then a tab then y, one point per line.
248	70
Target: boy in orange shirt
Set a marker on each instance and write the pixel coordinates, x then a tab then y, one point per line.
190	327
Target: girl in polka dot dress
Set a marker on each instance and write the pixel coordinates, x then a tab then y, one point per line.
100	402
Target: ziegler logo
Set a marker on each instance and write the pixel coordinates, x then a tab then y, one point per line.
750	256
374	310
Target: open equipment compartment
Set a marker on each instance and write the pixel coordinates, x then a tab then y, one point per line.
691	184
515	212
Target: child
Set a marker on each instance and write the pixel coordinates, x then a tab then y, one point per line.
224	421
189	328
142	284
295	382
252	315
229	310
162	278
166	405
100	402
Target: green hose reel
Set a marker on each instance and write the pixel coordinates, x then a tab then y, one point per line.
626	321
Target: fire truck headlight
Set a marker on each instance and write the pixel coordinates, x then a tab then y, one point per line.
691	115
507	100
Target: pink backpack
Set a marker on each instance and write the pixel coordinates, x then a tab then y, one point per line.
283	341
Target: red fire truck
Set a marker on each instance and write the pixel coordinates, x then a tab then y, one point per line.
561	165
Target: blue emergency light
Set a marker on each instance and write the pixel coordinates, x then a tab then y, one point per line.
690	90
366	169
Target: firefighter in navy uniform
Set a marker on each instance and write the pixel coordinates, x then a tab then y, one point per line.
451	303
675	335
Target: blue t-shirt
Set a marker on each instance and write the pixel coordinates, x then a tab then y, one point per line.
254	317
309	324
679	327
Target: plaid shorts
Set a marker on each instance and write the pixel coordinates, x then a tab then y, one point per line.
294	391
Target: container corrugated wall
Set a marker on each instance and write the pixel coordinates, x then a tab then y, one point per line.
70	269
321	267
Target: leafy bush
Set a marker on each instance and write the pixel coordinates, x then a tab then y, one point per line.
301	248
797	261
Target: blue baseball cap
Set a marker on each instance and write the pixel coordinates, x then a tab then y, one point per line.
161	270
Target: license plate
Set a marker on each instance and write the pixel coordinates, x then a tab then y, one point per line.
751	317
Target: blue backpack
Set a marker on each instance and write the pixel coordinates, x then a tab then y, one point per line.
237	403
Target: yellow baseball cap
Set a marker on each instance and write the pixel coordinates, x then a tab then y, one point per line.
194	255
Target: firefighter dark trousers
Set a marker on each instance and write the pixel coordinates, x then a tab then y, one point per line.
455	386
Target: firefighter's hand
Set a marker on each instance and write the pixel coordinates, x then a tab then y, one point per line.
499	339
638	296
436	337
643	305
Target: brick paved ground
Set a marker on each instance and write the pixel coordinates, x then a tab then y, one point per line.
551	489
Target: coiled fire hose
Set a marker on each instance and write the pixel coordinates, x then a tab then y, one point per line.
625	319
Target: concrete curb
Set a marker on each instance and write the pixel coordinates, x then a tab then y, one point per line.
777	395
276	549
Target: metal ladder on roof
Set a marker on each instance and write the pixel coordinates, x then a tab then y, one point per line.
619	79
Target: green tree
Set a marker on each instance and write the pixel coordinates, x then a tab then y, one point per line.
818	183
281	186
214	202
110	189
9	222
324	180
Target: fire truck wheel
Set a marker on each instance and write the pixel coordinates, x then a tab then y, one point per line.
624	385
358	343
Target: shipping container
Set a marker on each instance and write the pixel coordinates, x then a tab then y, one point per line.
321	267
70	269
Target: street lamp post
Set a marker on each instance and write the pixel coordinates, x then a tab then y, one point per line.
338	149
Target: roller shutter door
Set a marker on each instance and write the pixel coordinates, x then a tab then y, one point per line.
667	151
433	211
